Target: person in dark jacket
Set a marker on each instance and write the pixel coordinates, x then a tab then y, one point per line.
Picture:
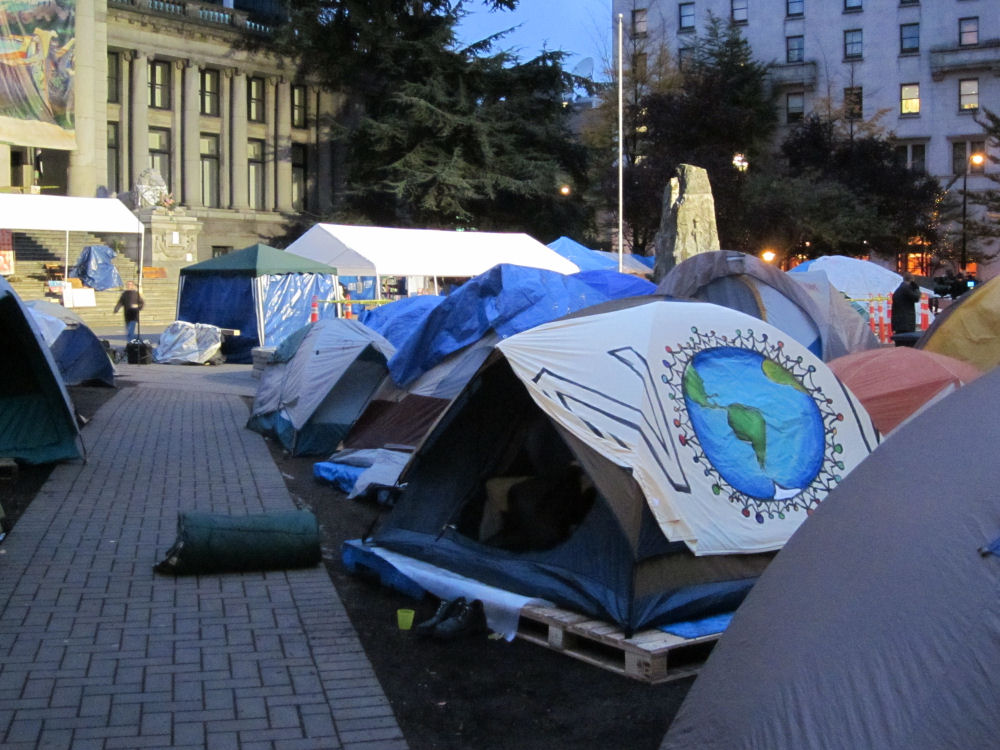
131	302
904	314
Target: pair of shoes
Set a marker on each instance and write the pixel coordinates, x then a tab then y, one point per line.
468	619
445	609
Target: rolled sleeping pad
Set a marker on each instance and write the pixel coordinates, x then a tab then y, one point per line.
215	543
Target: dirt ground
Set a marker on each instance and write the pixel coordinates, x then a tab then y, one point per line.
472	693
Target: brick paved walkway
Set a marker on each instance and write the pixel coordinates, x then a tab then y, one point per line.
97	651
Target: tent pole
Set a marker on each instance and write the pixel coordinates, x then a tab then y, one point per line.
436	292
66	268
621	155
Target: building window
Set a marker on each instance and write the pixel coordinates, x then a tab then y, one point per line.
961	152
914	156
640	63
795	7
210	170
255	99
853	103
299	106
852	4
683	57
210	92
299	176
738	10
686	16
219	250
795	105
640	20
968	95
114	159
159	84
794	49
159	152
909	99
255	163
909	2
114	78
853	46
968	32
909	37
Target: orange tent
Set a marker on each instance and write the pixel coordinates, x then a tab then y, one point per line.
893	383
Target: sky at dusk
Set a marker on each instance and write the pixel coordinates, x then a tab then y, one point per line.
581	28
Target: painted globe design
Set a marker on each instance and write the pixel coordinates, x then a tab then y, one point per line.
757	424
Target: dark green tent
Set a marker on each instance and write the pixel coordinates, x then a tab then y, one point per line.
263	292
37	422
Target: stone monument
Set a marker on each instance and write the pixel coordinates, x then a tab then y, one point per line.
171	235
687	221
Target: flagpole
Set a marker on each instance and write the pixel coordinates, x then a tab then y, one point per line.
621	161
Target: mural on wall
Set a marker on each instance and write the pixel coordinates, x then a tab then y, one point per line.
37	50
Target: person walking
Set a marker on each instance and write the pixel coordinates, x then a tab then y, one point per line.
131	302
904	299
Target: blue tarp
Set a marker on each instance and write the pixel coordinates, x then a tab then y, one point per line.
397	320
507	299
95	268
231	301
616	285
585	258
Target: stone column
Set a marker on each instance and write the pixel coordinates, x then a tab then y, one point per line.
225	152
270	141
192	135
139	145
88	162
283	146
177	128
124	122
238	118
324	154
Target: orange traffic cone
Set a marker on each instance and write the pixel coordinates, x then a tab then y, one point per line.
314	315
925	313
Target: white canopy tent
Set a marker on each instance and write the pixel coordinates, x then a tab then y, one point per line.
385	251
23	213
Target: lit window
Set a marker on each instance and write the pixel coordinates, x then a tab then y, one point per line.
852	4
298	106
210	92
968	32
968	94
795	105
686	16
909	37
853	45
255	99
794	49
909	99
739	11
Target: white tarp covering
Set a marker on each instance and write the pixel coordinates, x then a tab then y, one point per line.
66	214
383	251
734	430
858	279
183	343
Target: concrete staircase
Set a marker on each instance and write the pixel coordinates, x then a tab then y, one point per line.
33	250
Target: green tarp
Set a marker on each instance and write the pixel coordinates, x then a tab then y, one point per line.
257	260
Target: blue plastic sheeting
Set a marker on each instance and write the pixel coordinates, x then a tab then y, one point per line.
616	285
95	268
341	476
507	299
583	256
359	287
288	303
698	628
225	302
397	320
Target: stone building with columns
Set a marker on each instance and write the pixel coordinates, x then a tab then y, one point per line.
240	142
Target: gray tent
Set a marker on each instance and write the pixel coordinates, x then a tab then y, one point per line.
878	624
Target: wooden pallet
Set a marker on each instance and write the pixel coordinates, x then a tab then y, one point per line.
648	656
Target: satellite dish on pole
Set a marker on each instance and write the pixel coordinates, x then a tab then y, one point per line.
584	68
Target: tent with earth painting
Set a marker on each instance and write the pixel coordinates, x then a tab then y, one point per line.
264	293
877	625
37	420
637	461
822	321
79	354
969	328
316	384
894	383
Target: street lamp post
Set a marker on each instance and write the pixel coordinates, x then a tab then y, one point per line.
976	160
